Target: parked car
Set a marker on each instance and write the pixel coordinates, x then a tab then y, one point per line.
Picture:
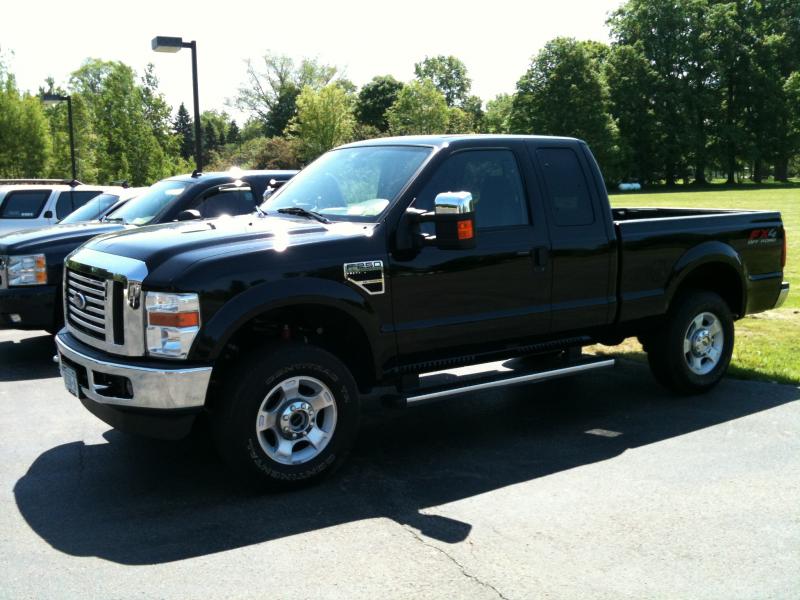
99	206
29	203
385	262
31	261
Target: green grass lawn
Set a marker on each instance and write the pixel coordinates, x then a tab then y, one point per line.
767	344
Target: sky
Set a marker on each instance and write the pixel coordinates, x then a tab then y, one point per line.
494	39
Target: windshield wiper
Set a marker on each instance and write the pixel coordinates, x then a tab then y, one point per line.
302	212
261	212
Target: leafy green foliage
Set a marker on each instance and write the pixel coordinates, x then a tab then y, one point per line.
448	74
324	119
497	118
374	100
420	108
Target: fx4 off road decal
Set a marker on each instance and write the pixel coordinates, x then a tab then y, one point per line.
763	236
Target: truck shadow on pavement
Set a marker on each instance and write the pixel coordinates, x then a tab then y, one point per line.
28	358
141	502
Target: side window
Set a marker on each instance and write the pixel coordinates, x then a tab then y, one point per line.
227	201
71	200
570	200
23	204
493	179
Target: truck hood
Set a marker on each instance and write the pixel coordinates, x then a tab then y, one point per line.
42	239
193	241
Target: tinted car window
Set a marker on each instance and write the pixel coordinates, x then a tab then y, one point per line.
142	209
71	200
493	179
93	209
227	202
570	201
23	204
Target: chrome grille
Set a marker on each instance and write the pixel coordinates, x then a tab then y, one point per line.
86	303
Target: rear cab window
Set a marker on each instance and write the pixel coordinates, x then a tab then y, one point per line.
23	204
570	199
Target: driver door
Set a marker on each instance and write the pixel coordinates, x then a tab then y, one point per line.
460	301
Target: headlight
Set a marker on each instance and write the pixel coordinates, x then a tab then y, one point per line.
27	270
173	321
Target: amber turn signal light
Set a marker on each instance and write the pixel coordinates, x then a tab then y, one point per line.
181	319
465	230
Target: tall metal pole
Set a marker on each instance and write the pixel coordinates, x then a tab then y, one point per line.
198	144
71	139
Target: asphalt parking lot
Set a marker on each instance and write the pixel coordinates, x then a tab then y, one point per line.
603	486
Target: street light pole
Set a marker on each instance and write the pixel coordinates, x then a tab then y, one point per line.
52	99
174	44
71	138
198	141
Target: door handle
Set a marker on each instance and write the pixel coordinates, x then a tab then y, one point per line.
541	256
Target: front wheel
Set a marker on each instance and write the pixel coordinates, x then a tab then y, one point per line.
692	350
289	417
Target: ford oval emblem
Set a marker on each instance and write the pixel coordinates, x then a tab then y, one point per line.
79	300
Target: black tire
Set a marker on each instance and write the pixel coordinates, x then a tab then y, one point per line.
665	346
234	422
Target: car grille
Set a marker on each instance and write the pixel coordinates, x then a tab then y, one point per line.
86	303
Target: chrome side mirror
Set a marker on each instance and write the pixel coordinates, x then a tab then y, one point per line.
454	219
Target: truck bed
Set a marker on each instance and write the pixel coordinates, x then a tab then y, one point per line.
655	244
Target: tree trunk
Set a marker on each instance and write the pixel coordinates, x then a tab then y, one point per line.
782	169
731	149
700	173
758	170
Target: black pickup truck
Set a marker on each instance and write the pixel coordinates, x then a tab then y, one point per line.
387	266
31	261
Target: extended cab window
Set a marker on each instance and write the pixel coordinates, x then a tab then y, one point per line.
227	201
23	204
493	179
72	200
570	201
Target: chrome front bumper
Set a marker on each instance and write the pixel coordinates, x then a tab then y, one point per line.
162	387
784	293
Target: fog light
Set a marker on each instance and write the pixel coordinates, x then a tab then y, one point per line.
15	318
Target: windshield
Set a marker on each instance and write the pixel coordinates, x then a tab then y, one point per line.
92	209
351	183
142	209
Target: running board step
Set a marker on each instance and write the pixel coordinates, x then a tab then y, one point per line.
452	382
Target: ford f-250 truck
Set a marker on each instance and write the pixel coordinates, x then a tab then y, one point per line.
31	261
392	263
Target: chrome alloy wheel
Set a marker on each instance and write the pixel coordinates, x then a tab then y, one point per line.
703	342
296	420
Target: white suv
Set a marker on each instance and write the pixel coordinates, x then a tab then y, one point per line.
27	203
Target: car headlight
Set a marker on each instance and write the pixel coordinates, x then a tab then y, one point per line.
27	270
173	321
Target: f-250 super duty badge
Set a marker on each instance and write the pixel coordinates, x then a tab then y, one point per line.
367	275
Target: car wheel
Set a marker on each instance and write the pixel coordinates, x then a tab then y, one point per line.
692	350
288	417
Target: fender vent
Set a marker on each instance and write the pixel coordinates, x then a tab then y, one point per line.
366	275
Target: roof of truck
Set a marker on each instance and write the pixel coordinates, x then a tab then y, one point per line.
234	174
443	140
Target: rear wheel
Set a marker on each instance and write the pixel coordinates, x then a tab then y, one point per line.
691	352
289	417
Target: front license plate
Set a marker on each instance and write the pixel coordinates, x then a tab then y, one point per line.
70	380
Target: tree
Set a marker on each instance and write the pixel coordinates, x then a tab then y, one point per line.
234	137
564	93
324	119
271	90
448	74
374	100
497	118
259	153
183	126
25	149
632	82
420	108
